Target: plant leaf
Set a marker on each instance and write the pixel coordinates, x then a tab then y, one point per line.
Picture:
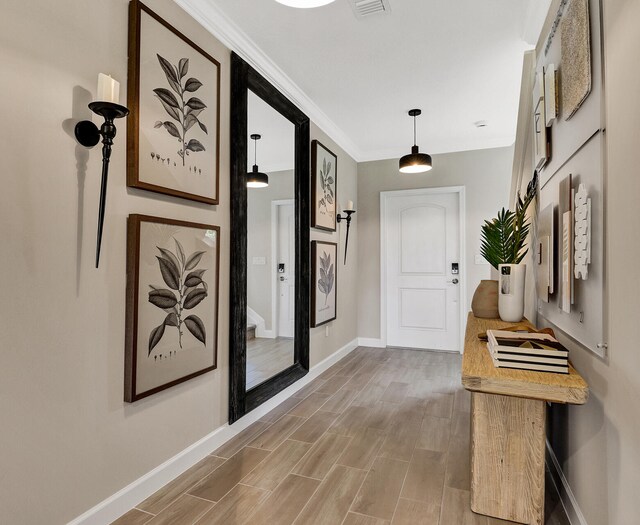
169	73
189	121
163	298
194	297
194	279
171	320
169	273
166	254
194	112
195	103
174	113
166	96
193	260
195	325
203	127
330	180
158	124
172	129
180	250
192	84
195	145
155	336
183	67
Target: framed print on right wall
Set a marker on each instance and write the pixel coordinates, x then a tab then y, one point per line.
324	184
324	296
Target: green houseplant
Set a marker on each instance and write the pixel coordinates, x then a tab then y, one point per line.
503	242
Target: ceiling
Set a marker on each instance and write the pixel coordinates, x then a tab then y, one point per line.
460	61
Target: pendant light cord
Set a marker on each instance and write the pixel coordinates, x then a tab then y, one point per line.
415	142
255	150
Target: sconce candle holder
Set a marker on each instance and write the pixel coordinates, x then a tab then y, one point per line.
88	134
346	217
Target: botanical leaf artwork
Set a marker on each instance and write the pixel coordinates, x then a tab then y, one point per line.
327	275
183	108
186	289
326	182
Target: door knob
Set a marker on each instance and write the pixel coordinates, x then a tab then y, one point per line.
453	281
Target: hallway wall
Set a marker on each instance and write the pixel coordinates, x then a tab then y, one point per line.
597	444
68	440
485	174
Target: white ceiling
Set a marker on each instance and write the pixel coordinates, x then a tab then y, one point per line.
460	61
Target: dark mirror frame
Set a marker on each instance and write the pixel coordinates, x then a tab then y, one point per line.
241	400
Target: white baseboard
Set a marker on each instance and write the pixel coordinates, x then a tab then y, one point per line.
122	501
264	334
561	485
371	342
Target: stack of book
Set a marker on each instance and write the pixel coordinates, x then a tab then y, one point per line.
527	351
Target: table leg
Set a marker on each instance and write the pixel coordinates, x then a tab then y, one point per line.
507	457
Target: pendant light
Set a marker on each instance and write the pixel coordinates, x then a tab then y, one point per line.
304	3
415	162
256	179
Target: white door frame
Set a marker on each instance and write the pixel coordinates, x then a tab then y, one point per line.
274	269
384	195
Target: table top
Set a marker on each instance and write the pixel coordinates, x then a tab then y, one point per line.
480	375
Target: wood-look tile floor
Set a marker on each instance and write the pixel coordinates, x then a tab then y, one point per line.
380	438
267	357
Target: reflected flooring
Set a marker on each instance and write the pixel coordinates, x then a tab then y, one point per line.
380	438
267	357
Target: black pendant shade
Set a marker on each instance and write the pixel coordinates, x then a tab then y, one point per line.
415	162
255	178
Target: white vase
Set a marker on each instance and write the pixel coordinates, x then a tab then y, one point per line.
511	292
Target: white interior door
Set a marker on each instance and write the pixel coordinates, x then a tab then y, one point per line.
286	275
422	233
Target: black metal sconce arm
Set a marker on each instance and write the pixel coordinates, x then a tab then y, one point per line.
340	218
88	134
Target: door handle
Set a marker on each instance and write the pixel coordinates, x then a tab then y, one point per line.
453	281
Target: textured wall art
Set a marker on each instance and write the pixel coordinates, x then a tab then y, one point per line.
174	97
565	211
324	297
172	303
575	41
582	241
550	94
545	273
540	142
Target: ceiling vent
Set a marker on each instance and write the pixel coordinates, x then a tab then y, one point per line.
364	8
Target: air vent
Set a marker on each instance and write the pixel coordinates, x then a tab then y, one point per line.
363	8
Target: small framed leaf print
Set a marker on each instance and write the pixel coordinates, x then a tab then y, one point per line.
174	99
324	296
324	183
172	303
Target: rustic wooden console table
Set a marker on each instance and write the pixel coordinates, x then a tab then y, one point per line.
508	409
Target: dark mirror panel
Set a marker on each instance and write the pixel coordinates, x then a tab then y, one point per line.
269	332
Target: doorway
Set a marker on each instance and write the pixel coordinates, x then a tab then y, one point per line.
283	267
422	275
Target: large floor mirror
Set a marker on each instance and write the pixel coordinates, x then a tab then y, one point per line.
269	333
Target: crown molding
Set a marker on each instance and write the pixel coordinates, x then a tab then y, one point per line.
214	20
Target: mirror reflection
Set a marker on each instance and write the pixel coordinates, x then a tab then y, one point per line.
271	230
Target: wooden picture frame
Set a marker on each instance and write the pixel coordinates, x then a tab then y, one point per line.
324	272
173	275
174	97
324	187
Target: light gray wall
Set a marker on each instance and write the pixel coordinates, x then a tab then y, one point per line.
68	440
326	338
281	186
486	176
597	444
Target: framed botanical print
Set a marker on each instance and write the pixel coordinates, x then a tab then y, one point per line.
172	303
324	298
324	182
173	131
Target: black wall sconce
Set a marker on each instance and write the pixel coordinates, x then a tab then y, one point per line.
349	212
88	134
